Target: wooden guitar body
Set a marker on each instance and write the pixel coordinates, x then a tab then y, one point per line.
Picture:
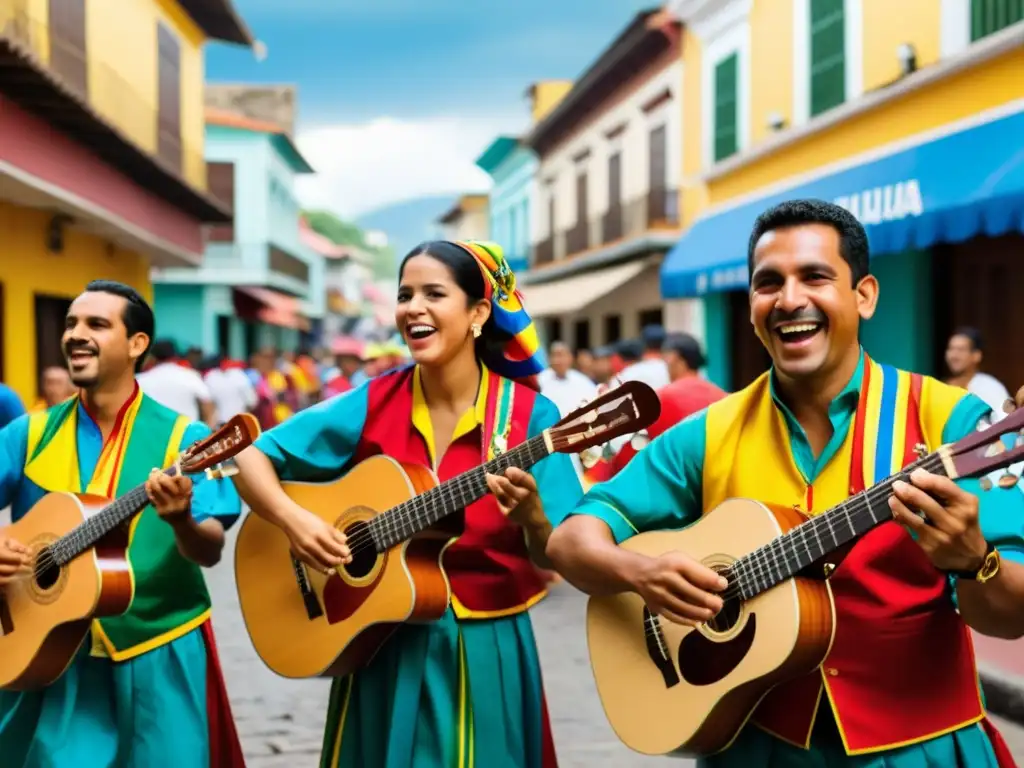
46	617
340	624
670	689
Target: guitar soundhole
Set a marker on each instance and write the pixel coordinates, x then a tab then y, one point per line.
364	554
726	618
47	572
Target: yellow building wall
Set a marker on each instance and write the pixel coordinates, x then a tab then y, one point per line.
693	193
546	96
967	93
123	83
771	64
27	269
918	23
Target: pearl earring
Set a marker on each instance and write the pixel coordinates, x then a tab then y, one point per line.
476	330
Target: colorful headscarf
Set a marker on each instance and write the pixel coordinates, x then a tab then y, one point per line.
522	357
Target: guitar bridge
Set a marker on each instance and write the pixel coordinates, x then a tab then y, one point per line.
313	608
657	648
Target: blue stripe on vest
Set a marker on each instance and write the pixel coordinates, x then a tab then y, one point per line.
886	423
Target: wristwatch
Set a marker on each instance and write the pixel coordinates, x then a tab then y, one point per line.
989	567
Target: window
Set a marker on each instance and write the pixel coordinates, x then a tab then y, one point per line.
581	335
51	315
827	54
168	97
554	330
67	44
650	317
224	335
220	180
989	16
726	107
612	328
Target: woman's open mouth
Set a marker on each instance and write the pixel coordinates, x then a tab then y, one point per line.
418	331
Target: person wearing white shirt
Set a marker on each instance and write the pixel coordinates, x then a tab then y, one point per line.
231	390
176	387
964	353
566	387
647	364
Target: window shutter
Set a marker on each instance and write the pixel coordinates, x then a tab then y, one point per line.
989	16
726	107
828	55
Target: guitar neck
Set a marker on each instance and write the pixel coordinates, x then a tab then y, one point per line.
419	513
809	542
91	531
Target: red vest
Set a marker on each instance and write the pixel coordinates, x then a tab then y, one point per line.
488	565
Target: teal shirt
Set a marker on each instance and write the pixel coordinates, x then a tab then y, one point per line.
661	488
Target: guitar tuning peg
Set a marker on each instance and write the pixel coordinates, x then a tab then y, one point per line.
1008	480
985	483
589	457
1009	406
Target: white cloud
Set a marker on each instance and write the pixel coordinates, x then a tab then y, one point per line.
366	166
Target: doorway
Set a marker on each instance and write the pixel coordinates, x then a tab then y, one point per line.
51	316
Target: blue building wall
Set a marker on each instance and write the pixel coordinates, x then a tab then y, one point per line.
189	302
513	169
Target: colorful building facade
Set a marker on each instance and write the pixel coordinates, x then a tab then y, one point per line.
260	284
608	175
911	120
513	168
101	156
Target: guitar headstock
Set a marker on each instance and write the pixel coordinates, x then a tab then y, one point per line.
628	408
986	450
230	440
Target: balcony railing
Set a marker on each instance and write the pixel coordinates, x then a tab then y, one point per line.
88	78
655	210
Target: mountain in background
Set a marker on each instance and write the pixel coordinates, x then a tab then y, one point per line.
409	222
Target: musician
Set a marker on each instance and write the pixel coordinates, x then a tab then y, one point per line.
145	690
899	687
470	682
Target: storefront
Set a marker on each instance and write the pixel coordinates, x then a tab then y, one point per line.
944	214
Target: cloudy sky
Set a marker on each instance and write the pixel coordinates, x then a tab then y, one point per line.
398	97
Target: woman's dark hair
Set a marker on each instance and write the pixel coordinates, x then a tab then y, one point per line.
467	275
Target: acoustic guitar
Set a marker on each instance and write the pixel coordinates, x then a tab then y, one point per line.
399	520
79	565
671	689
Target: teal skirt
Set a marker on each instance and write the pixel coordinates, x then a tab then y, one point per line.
969	747
146	712
450	694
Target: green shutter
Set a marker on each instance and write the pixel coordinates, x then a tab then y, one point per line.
988	16
828	55
726	107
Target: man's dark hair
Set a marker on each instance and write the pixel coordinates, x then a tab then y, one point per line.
137	316
853	241
163	350
973	335
688	348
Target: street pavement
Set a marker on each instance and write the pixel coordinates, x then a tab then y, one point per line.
280	721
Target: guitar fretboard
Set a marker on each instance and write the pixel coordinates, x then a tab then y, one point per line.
787	555
420	512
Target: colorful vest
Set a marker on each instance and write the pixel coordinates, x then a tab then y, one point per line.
170	597
488	564
901	668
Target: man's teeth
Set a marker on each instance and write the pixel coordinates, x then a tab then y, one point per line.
801	328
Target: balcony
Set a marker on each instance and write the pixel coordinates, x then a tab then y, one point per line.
260	264
543	252
82	95
611	224
657	209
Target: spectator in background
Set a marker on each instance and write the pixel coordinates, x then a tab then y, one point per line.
687	394
56	387
178	387
602	366
230	388
964	354
646	362
11	406
566	387
585	363
193	359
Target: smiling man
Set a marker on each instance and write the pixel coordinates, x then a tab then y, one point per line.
901	685
145	689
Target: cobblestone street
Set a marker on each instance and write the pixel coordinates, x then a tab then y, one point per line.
280	721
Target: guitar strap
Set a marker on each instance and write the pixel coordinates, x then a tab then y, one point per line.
498	425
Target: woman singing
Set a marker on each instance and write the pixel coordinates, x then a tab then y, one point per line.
465	690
